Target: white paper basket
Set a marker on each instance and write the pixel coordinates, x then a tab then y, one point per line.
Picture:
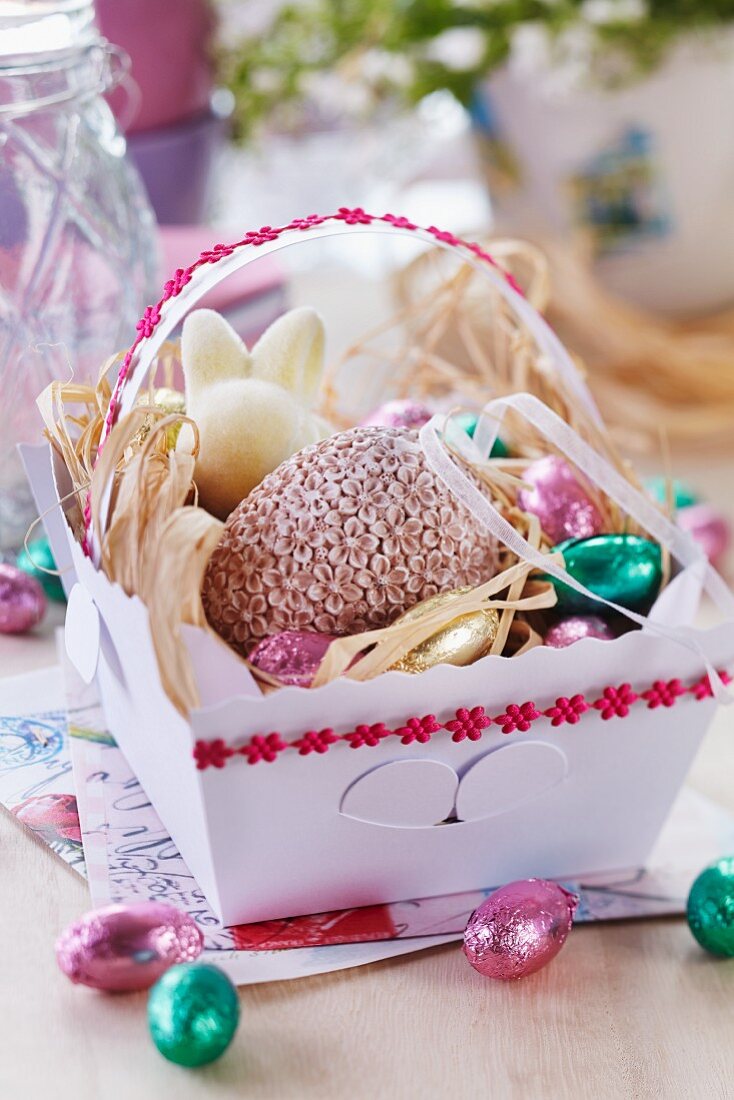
402	786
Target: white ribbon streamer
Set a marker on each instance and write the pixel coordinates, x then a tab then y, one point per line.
680	544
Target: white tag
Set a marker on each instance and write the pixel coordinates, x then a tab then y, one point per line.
81	633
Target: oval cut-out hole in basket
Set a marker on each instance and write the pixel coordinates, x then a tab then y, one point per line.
418	794
508	777
407	794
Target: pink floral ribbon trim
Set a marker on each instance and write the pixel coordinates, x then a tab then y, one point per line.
467	724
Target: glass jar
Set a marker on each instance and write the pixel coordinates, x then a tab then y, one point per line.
77	236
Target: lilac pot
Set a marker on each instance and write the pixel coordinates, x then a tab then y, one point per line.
176	164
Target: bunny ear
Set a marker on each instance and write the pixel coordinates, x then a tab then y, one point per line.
211	350
291	352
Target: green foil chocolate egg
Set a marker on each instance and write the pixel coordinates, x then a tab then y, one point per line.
193	1012
468	422
625	569
35	561
683	495
710	909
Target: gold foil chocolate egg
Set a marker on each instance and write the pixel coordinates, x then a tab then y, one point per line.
345	535
461	641
170	402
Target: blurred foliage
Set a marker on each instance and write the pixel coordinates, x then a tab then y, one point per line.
377	51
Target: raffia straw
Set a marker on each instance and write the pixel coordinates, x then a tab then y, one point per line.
533	536
393	642
171	593
485	352
149	488
647	371
156	544
74	438
532	639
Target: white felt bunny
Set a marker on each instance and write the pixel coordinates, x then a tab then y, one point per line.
253	408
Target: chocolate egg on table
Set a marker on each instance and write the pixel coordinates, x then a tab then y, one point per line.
625	569
559	500
345	535
22	601
519	928
710	908
121	948
35	562
708	527
461	642
193	1012
576	627
292	657
403	412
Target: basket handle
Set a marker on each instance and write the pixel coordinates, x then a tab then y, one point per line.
188	285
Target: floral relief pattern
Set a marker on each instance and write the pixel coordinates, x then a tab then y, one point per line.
342	537
616	702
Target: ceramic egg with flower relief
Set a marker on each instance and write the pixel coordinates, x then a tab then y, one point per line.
344	536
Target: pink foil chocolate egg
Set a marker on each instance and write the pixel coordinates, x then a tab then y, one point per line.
401	413
559	501
22	601
708	527
122	948
519	928
292	657
576	627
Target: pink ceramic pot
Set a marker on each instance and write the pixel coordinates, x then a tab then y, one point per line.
169	44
